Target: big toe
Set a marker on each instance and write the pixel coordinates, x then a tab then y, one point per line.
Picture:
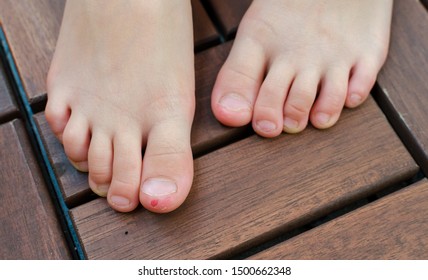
167	167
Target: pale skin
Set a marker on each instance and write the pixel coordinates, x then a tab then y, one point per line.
122	81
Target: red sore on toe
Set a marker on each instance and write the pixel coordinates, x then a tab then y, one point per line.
154	202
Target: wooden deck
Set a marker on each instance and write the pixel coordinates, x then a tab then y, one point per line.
356	191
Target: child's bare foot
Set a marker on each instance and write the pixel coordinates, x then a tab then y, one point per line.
121	79
287	52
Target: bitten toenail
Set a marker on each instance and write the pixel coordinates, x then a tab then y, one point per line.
235	102
323	118
158	187
266	126
290	123
355	99
119	201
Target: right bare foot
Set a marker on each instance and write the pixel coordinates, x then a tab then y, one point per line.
122	78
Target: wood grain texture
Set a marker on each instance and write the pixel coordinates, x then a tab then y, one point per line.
29	227
207	132
403	80
255	189
8	108
32	28
394	227
229	13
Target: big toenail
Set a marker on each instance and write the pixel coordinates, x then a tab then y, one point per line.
235	102
291	123
119	201
355	99
266	126
158	187
323	118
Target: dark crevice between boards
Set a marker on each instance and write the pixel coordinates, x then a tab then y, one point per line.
400	128
327	218
38	148
212	14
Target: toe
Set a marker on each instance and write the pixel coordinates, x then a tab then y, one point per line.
100	161
167	167
238	83
76	138
300	100
57	114
127	161
363	78
268	109
329	103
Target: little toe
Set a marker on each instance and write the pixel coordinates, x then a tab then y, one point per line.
331	99
76	138
268	109
238	83
127	161
57	115
167	167
100	161
300	100
362	80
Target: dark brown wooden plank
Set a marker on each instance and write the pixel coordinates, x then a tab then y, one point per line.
403	80
8	108
229	13
204	32
29	227
255	189
207	132
395	227
32	28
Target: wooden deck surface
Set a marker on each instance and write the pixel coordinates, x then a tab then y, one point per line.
355	191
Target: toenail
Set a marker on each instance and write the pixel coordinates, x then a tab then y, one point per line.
102	189
235	102
158	187
355	99
81	166
323	118
120	201
266	126
291	123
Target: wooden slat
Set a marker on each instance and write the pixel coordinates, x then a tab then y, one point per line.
394	227
229	13
29	228
32	28
255	189
204	31
8	108
207	132
403	81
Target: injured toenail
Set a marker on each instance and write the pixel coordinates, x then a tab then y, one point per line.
323	118
120	201
158	187
290	123
235	102
355	99
266	126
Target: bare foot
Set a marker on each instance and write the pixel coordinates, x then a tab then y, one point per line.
122	79
295	61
